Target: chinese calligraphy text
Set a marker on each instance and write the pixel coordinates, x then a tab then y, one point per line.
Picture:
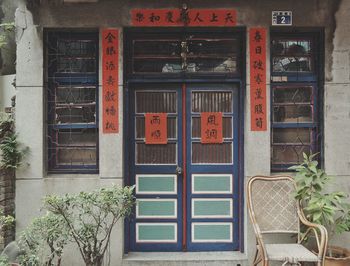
110	120
257	43
174	17
156	128
211	127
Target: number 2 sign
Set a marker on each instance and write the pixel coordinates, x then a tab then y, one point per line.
282	18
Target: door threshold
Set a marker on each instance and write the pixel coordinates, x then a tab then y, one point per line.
186	256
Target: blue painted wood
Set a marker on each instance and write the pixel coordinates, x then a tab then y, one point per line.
155	169
204	169
314	126
70	79
214	169
314	79
170	79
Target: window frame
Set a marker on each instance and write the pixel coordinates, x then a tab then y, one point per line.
295	79
149	33
83	79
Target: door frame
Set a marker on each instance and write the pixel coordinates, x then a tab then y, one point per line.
130	80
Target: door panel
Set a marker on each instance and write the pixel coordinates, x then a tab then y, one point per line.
157	223
196	209
212	170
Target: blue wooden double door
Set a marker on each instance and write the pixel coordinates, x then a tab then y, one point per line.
187	191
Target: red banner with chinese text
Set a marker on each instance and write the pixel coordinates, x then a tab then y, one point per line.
110	101
156	128
176	17
211	127
257	49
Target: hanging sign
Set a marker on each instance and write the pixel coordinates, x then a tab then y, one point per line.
257	43
156	128
177	17
282	18
110	101
211	127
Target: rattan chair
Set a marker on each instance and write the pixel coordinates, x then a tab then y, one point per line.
273	210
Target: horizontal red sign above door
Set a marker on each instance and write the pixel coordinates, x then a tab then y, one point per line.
177	17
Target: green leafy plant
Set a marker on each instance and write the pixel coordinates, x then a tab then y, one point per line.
90	218
11	153
6	27
43	241
6	124
4	261
329	209
5	220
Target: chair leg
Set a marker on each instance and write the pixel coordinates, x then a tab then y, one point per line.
255	263
257	258
265	263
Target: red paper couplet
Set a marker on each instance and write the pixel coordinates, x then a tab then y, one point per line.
211	127
257	43
175	17
110	101
156	128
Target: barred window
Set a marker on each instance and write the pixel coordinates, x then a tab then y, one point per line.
295	120
190	53
72	97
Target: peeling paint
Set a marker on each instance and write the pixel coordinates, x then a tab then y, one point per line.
8	53
334	7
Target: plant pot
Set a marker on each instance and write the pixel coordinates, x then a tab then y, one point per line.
340	256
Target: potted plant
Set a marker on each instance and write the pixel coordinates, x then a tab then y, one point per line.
320	206
90	217
5	221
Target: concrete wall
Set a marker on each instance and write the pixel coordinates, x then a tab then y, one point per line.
33	181
8	52
337	110
7	91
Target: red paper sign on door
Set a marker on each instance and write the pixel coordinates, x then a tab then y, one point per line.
156	128
211	127
110	101
257	43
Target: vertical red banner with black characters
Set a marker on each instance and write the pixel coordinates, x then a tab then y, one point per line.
257	44
110	101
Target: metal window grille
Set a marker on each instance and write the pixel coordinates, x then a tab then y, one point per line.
184	53
295	123
72	97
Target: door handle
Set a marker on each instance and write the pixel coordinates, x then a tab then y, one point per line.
178	170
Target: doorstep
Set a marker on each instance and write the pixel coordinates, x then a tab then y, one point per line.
231	258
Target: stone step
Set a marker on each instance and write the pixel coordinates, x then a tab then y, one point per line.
234	258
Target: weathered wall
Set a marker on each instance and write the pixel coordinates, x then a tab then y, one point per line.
7	203
7	91
8	52
337	109
109	13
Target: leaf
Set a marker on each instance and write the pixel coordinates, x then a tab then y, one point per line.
313	169
305	156
317	216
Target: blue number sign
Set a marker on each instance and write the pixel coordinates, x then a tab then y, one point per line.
282	18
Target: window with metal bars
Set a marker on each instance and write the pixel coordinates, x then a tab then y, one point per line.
190	53
72	97
295	97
